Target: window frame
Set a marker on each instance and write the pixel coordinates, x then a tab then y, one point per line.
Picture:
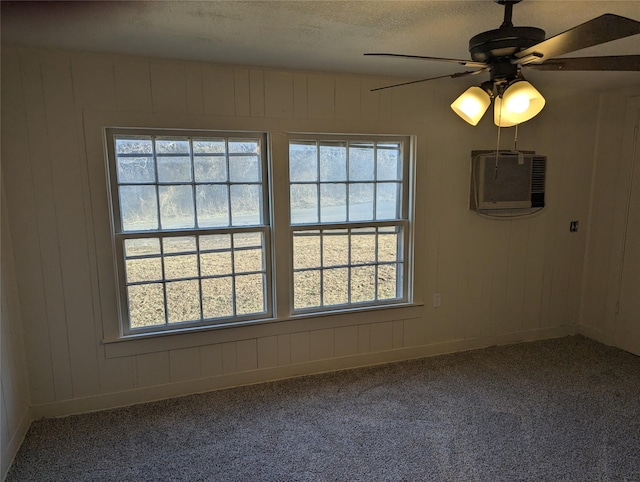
274	156
120	235
404	221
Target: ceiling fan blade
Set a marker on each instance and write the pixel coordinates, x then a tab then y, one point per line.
465	63
452	76
599	30
618	63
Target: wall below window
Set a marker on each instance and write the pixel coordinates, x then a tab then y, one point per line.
500	281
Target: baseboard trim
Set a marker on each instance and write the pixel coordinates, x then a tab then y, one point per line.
9	453
160	392
592	332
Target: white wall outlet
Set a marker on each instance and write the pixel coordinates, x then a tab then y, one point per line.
437	300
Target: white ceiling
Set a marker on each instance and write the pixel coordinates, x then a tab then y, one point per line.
326	36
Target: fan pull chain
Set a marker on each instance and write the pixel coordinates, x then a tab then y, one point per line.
495	172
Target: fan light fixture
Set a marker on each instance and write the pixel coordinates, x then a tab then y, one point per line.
472	104
505	52
519	103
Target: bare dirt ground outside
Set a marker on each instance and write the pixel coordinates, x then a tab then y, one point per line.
213	278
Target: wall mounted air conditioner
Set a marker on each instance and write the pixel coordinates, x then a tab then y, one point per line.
510	180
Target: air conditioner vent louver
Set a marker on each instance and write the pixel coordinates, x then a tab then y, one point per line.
538	174
510	180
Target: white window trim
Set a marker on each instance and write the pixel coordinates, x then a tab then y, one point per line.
405	221
116	345
119	235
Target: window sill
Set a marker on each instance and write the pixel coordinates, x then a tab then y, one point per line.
188	338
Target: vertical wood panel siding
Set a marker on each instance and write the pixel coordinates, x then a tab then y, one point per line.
497	278
195	90
169	87
218	91
48	236
18	186
133	84
610	196
15	415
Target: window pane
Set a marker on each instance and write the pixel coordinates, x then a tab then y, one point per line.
248	260
134	145
303	162
333	161
215	241
146	305
363	246
361	161
304	203
217	297
360	202
172	146
250	294
306	289
388	202
246	204
176	207
174	169
306	249
210	168
335	248
215	264
388	247
143	269
363	284
138	208
183	301
333	203
212	205
389	162
179	244
141	247
388	287
244	169
244	146
335	286
132	170
244	240
209	146
176	267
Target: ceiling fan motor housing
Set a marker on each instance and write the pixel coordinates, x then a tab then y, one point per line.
503	42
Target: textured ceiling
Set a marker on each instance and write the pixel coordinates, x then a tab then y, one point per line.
310	35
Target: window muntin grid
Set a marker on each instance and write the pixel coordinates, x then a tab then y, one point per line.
176	198
174	280
188	182
354	192
335	268
346	181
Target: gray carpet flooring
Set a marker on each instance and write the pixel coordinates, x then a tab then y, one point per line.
563	409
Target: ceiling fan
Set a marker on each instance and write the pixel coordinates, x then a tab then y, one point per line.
505	51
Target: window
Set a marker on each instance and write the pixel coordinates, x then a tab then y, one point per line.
191	228
193	233
349	221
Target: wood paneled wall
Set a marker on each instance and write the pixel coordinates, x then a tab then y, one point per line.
501	281
15	413
608	226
